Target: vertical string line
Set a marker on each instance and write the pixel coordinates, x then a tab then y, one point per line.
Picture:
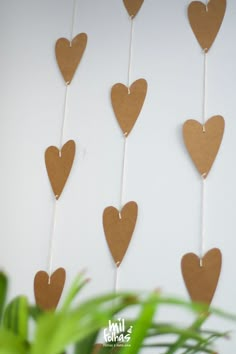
130	52
64	117
203	215
116	278
63	125
74	11
203	187
52	239
204	106
123	174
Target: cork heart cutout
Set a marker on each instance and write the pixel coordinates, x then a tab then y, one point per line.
47	293
119	228
205	20
201	281
69	54
133	6
127	103
203	142
58	164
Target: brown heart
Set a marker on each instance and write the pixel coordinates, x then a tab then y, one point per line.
201	281
47	293
203	141
59	164
133	6
127	103
68	55
206	20
119	228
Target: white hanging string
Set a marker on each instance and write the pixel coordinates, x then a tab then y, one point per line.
54	217
116	282
64	117
122	187
51	248
74	11
130	52
203	215
204	106
203	187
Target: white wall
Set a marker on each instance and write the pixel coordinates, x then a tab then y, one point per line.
160	176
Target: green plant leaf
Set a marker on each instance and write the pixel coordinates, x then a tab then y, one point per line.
11	344
141	325
55	331
16	316
3	292
86	345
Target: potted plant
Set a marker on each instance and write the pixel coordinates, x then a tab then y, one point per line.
25	329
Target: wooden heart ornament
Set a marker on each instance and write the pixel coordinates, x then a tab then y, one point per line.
69	54
47	293
203	141
201	281
133	6
58	164
206	20
127	103
119	228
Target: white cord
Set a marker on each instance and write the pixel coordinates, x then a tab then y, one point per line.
51	248
204	105
64	118
203	219
130	52
123	174
73	19
116	277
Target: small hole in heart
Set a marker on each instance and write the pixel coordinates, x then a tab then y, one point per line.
201	262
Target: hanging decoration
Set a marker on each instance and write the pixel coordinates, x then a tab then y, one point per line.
48	290
202	140
201	281
69	54
133	6
205	20
127	102
203	143
48	286
58	164
119	228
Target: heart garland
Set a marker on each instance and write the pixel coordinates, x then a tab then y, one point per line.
119	228
47	290
201	281
205	20
133	6
59	164
69	55
203	142
127	103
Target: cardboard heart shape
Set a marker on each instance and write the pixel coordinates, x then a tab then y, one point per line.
127	103
58	164
203	141
133	6
119	228
201	281
69	55
47	294
206	20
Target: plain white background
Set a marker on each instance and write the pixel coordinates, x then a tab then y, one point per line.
160	176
